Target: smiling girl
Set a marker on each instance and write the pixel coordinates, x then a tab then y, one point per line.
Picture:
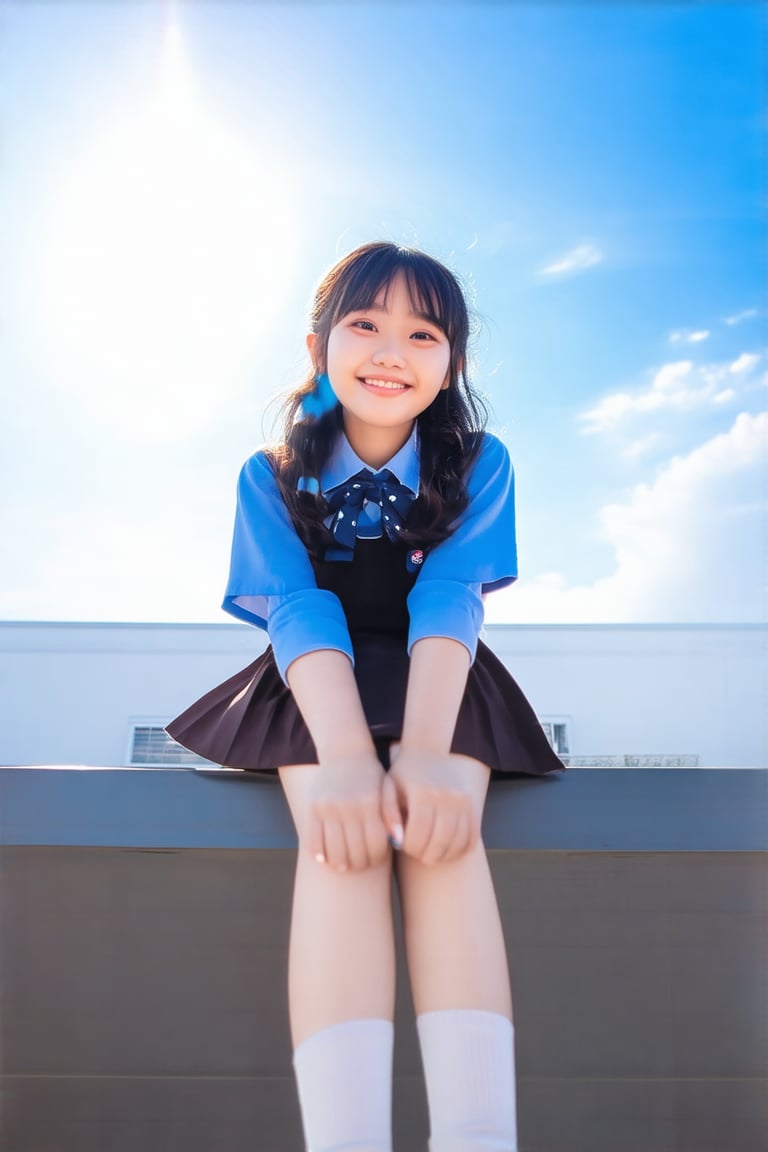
364	543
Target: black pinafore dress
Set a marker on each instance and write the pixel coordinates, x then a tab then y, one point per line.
251	721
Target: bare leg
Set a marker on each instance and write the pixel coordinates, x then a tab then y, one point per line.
453	934
460	983
342	958
341	991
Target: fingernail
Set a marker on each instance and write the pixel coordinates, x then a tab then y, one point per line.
396	839
320	858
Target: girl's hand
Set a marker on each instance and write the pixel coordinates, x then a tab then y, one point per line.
352	813
435	796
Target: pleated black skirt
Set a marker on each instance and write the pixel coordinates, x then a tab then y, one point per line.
251	721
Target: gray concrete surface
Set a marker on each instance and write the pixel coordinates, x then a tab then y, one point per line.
143	984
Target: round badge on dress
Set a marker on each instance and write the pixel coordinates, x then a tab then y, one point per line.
414	560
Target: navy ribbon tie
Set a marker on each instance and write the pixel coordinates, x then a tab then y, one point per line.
346	501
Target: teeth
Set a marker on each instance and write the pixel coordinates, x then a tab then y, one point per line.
392	385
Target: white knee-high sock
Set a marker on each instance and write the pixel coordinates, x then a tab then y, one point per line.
469	1069
344	1077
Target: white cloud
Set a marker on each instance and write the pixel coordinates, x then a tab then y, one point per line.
680	385
685	337
688	546
744	363
740	317
578	259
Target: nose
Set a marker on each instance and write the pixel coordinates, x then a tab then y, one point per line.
389	354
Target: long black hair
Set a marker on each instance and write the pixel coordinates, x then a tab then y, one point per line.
449	429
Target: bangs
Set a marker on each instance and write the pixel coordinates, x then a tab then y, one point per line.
432	290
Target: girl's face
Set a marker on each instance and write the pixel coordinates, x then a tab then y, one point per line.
386	365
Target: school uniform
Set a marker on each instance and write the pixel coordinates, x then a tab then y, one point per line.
371	596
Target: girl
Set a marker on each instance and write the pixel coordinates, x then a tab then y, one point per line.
363	543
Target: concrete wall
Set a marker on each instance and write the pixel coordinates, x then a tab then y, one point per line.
144	928
68	692
650	688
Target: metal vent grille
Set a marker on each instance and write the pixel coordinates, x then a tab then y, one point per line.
556	732
151	746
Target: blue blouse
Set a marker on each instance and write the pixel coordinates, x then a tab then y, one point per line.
272	583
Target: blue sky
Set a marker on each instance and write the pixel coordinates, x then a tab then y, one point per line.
177	176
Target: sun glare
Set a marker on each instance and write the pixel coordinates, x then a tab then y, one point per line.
171	243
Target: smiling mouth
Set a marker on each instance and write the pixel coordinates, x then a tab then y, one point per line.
384	385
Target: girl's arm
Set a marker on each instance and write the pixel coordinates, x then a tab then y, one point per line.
353	806
446	612
441	821
272	584
436	683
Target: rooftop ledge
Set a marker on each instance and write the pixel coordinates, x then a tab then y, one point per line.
581	810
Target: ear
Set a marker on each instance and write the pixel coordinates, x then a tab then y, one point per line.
311	347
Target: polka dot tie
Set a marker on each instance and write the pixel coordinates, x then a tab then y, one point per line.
345	502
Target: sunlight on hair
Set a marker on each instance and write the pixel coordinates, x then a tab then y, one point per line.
171	244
